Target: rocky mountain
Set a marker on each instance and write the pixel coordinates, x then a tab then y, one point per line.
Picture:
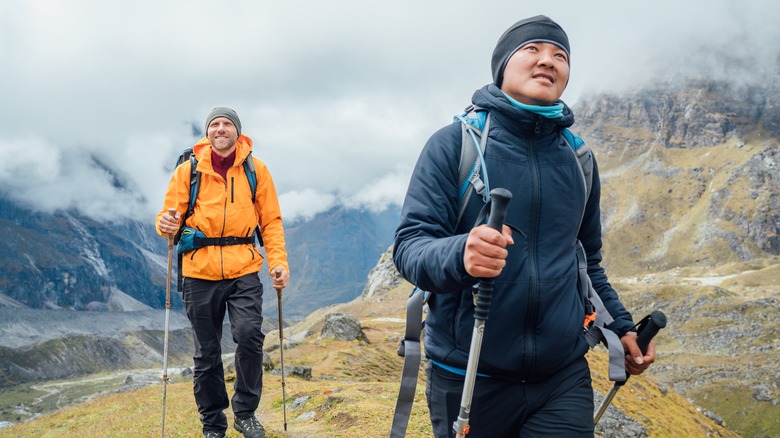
65	260
690	174
330	257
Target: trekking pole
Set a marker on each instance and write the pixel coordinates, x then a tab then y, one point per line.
646	330
281	348
499	199
172	212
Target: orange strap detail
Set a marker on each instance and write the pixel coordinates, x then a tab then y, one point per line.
589	320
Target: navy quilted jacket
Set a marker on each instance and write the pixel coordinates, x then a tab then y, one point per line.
535	322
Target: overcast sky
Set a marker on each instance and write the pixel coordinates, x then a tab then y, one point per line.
339	96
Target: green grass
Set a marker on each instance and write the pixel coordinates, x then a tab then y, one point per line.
743	412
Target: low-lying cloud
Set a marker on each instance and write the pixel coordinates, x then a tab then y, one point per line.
99	102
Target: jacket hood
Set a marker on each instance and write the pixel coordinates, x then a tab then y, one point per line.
202	149
521	122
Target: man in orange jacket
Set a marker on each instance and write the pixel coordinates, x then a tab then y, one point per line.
223	273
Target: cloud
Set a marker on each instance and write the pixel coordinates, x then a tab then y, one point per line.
336	103
388	190
48	179
305	204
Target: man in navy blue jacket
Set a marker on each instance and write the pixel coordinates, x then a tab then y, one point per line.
533	379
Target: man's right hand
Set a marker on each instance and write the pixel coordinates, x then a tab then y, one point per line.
485	254
169	224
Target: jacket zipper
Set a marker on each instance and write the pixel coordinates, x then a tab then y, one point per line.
224	223
533	295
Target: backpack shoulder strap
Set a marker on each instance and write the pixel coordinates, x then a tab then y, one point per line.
187	155
472	173
194	185
251	176
584	157
409	348
584	162
597	316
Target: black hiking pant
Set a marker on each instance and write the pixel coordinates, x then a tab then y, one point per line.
561	406
205	302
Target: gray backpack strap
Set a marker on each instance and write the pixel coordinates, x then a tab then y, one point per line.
409	348
585	164
597	317
584	158
471	167
471	171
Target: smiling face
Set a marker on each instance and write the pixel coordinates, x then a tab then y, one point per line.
222	134
536	74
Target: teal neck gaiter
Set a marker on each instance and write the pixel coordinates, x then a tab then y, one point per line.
554	111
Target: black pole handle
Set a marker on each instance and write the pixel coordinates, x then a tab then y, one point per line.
648	328
499	200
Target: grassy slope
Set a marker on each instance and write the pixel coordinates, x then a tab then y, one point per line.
352	393
721	345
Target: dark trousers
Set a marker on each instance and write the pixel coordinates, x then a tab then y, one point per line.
561	406
205	302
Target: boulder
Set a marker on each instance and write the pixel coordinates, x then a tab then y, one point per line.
342	326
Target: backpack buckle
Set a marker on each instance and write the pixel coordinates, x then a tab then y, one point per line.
590	319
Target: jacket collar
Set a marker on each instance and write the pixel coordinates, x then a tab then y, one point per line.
520	122
202	151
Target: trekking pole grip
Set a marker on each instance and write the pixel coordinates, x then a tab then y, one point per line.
172	212
499	200
649	328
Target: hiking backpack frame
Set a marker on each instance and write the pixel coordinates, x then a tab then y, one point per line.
473	178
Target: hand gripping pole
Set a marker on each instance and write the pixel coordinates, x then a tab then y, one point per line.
499	199
647	328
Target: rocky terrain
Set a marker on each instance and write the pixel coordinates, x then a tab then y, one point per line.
342	380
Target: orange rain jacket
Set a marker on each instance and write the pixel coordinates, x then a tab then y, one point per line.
224	209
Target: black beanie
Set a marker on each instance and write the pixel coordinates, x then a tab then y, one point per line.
228	113
538	29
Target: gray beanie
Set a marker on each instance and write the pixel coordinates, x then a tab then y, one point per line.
538	29
226	112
